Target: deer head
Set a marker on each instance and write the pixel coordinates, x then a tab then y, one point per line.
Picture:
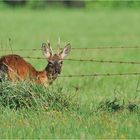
55	61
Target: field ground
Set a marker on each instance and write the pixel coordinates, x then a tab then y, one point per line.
82	28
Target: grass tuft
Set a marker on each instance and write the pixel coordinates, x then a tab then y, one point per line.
28	95
111	105
117	104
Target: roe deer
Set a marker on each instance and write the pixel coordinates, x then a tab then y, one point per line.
16	68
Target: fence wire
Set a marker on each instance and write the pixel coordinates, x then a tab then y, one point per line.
84	48
92	60
109	47
101	75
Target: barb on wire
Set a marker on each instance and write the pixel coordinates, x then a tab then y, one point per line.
34	57
92	60
101	74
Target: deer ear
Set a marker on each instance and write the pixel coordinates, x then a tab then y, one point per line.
46	49
65	51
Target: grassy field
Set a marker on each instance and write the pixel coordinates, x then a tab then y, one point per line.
82	28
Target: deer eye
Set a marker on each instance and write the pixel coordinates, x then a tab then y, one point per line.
61	62
50	63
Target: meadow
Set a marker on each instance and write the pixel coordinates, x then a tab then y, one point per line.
91	117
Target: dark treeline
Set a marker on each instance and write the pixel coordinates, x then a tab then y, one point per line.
44	3
73	3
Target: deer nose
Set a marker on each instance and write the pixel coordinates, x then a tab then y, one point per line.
57	70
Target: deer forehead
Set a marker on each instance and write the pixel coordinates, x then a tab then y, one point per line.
55	58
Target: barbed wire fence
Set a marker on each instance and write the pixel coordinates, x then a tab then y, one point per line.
90	60
84	48
102	74
97	74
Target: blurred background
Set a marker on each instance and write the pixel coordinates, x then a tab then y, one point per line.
88	4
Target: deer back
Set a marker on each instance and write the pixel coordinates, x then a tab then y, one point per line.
16	67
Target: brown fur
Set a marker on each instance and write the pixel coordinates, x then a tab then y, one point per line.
18	68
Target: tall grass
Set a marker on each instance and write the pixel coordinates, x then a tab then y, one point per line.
29	95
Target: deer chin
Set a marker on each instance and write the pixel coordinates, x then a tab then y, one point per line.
54	76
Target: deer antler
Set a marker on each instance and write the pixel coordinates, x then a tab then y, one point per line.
58	45
48	42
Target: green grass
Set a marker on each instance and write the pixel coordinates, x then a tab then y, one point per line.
82	28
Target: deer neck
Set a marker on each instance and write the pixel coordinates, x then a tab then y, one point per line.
45	76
